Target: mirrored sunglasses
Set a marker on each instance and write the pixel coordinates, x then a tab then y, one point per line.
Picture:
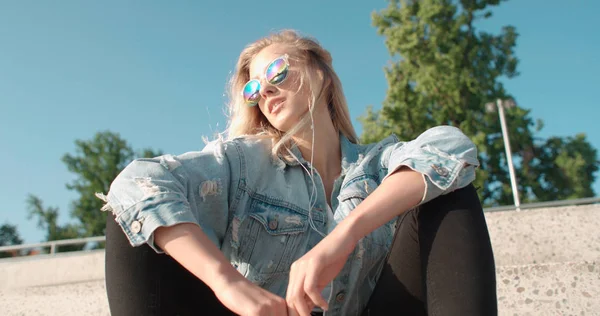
275	74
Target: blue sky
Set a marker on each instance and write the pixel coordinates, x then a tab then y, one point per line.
155	72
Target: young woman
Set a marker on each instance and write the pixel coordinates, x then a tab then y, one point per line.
291	216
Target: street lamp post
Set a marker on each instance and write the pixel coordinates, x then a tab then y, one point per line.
500	104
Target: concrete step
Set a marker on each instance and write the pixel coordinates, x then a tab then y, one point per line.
81	298
568	234
549	289
548	263
539	289
46	270
562	234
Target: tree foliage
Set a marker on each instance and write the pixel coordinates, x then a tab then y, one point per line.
9	236
95	163
445	71
47	219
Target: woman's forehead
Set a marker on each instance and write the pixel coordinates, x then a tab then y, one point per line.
259	63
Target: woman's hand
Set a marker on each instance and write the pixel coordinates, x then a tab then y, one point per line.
245	298
401	191
312	272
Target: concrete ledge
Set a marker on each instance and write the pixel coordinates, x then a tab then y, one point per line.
542	289
47	270
532	236
549	289
85	298
564	234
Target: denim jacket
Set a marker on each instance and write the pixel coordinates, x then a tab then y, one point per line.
255	208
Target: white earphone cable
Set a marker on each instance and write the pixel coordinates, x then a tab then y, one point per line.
311	202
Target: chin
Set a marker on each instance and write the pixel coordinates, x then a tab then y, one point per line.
286	123
284	128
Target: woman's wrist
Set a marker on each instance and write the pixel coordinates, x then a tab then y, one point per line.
349	231
222	276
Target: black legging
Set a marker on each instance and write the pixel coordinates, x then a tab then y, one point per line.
441	263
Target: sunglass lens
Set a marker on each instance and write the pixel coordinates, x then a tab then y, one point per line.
277	71
252	92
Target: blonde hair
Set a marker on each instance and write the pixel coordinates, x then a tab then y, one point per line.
249	121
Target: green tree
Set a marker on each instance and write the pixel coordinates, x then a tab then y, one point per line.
96	163
47	218
9	236
565	168
444	71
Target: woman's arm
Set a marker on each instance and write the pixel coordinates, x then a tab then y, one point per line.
440	160
398	193
160	202
192	248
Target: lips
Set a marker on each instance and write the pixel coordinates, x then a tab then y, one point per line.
275	104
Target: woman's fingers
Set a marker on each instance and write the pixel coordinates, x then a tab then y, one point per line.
298	302
301	306
291	311
291	290
311	287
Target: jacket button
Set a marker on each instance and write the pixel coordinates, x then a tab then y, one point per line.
340	297
136	227
442	171
273	224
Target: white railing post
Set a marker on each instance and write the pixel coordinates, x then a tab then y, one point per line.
511	168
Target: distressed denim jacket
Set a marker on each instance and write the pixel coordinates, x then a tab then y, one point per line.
256	208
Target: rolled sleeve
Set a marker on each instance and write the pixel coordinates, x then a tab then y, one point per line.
169	190
445	157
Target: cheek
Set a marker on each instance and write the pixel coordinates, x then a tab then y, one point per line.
298	90
261	107
293	83
303	94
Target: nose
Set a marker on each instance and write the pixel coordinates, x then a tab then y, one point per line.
267	89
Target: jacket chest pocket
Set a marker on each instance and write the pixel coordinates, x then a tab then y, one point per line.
271	237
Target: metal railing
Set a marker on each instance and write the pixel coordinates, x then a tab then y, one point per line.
53	244
574	202
79	241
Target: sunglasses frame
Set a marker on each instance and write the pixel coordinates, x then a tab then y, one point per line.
285	58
